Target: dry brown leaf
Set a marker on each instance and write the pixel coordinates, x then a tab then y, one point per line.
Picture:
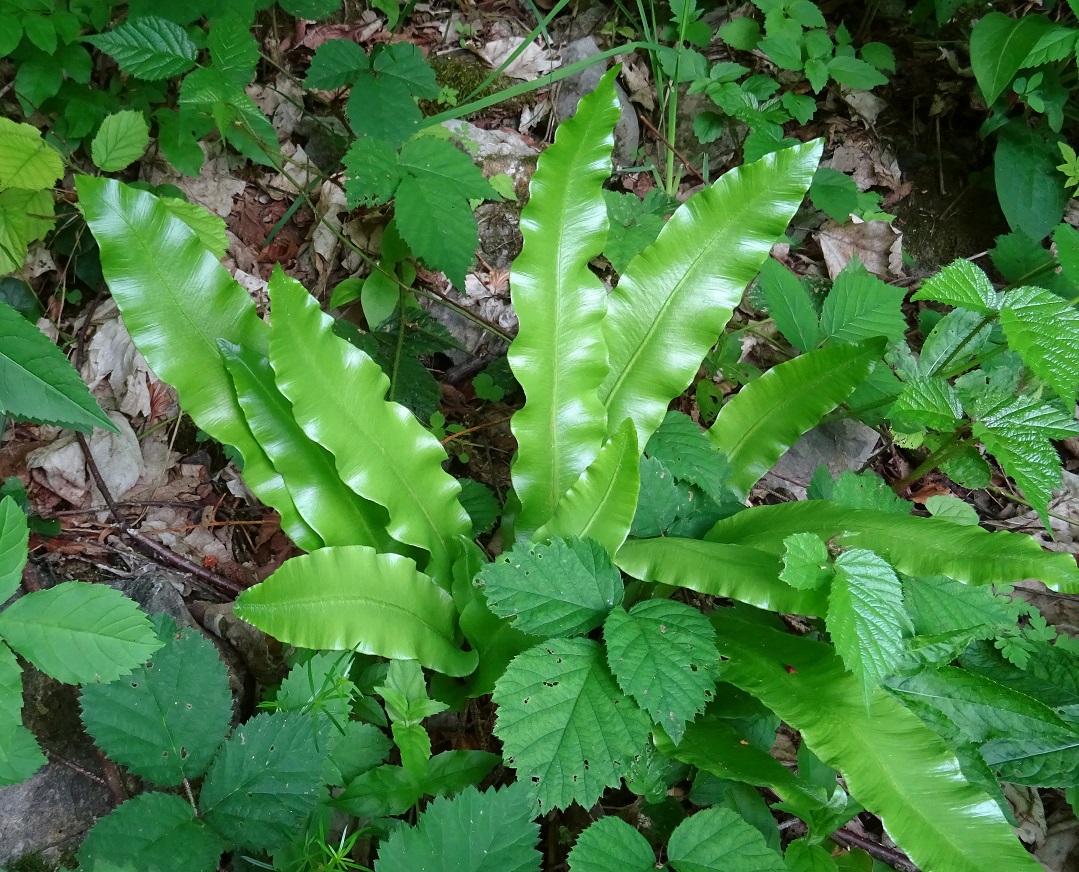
877	244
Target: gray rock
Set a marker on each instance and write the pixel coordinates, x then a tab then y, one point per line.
627	133
157	591
839	445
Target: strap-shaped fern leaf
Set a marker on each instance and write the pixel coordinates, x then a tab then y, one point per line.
382	452
335	512
559	355
893	764
676	295
768	415
354	599
915	546
177	301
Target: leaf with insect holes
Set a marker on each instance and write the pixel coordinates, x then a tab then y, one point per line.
148	48
564	723
663	654
166	721
685	450
865	616
562	588
1017	433
493	831
120	142
264	782
1044	330
152	831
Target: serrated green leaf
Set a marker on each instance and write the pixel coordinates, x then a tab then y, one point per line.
999	46
372	172
491	831
789	304
611	845
152	831
559	353
686	451
166	720
149	47
1052	677
927	402
718	840
37	382
78	632
336	63
915	546
769	414
361	748
963	285
806	561
867	490
663	654
939	605
174	294
26	160
25	216
1022	260
10	688
264	782
633	227
400	467
120	141
675	298
662	500
382	102
892	764
563	588
336	513
803	856
1022	739
481	504
565	724
14	536
734	571
233	48
1017	433
20	755
861	306
865	618
1044	330
392	609
600	505
431	206
834	193
1030	190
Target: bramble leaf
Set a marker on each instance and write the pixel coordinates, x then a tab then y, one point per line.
148	47
963	285
26	160
264	782
336	63
564	588
719	840
165	721
152	831
1044	330
663	654
233	49
78	632
861	306
38	383
806	562
865	618
686	451
14	535
565	724
491	831
611	845
927	402
20	756
789	304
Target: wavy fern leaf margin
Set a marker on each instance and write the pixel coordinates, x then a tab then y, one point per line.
559	355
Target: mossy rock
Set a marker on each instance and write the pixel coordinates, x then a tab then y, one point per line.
464	73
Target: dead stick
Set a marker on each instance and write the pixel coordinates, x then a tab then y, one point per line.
670	145
157	550
892	857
